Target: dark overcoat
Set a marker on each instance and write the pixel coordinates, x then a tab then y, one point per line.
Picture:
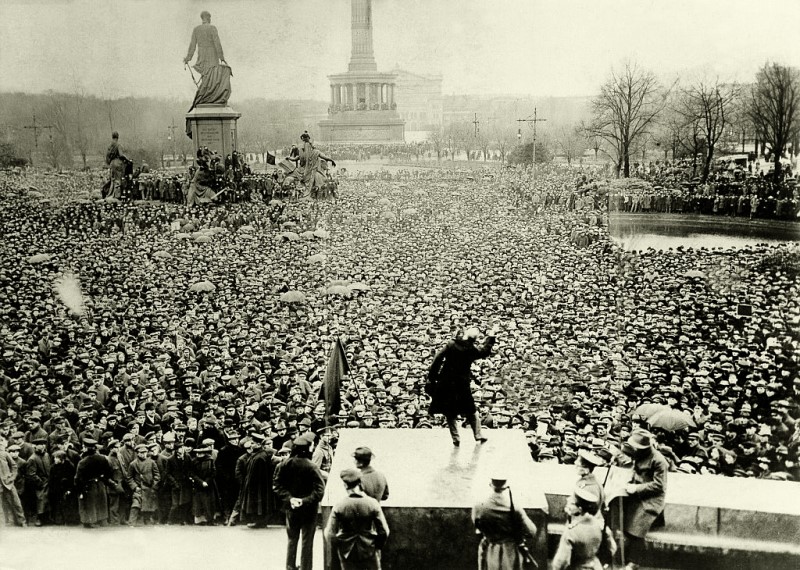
257	498
451	375
91	476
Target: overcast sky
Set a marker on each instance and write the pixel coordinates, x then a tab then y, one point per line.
286	49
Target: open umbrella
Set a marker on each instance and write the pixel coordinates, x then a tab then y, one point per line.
40	258
359	286
694	273
341	290
289	236
247	228
274	202
647	410
371	195
285	225
317	258
671	420
307	235
183	235
385	201
387	215
161	254
203	287
293	297
410	212
204	238
322	234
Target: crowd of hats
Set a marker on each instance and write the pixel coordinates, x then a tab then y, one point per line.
589	332
666	189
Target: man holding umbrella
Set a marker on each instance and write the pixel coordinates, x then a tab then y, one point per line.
449	379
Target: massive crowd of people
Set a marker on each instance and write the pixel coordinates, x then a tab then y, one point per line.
735	192
208	329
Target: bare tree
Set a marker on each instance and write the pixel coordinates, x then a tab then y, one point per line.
57	116
705	107
437	138
504	138
570	142
773	108
628	104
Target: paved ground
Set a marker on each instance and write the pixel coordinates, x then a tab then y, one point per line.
151	548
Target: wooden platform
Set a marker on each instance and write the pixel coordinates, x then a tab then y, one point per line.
433	486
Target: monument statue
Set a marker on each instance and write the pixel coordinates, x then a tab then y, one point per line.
205	39
214	87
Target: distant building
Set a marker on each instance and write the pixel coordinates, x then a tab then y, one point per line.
420	102
362	106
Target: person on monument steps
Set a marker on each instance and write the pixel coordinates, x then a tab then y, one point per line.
449	378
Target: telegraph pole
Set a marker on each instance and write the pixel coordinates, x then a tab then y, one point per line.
533	120
476	122
36	128
171	137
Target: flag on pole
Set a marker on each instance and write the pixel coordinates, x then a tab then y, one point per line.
270	158
337	368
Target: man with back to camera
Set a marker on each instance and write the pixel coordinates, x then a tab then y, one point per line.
298	483
357	528
449	381
373	482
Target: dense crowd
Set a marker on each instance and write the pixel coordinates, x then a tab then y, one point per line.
207	331
734	192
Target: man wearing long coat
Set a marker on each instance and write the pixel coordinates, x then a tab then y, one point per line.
37	475
205	498
257	498
143	478
646	494
227	483
450	376
92	475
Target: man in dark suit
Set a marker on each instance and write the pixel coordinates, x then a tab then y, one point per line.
450	376
298	483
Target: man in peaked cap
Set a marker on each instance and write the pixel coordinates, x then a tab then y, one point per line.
499	540
585	464
357	528
373	482
299	485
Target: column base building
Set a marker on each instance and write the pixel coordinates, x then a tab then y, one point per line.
362	107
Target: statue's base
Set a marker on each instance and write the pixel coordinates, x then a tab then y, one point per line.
432	489
213	126
365	127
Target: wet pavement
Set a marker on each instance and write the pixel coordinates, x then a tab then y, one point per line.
151	548
663	231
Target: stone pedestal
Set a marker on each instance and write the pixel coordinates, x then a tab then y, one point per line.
375	127
432	489
213	126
